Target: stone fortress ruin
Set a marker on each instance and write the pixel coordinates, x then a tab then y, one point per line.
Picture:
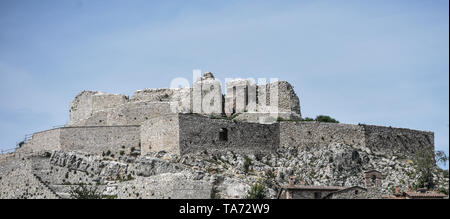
196	142
249	118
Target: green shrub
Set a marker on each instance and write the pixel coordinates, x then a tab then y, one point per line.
21	144
446	173
443	190
271	174
129	177
257	191
109	196
323	118
83	192
214	193
247	163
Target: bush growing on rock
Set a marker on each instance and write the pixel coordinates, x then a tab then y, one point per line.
247	163
83	192
257	191
323	118
307	119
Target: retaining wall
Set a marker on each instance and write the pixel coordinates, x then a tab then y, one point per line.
87	139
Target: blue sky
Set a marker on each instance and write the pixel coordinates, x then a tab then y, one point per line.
374	62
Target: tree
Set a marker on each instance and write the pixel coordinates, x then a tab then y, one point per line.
425	161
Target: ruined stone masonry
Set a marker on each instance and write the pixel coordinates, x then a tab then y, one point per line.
199	143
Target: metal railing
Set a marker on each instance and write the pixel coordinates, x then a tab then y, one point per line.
59	126
27	138
5	151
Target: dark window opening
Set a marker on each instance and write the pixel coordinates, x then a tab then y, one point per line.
234	100
355	155
374	179
257	100
246	96
317	195
223	134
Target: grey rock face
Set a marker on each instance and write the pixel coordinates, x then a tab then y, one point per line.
149	166
224	174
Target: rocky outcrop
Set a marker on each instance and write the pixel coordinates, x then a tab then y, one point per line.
21	183
224	174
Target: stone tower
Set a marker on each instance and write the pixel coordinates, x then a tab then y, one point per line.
207	95
256	103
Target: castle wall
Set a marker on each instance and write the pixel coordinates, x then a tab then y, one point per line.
199	133
397	141
187	133
160	133
81	106
107	101
86	139
380	140
99	139
87	103
136	113
180	98
97	119
310	134
43	141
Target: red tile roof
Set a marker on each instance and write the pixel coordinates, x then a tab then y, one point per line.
307	187
428	194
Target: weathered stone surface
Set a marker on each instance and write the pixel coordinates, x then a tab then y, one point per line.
149	166
187	133
386	141
224	174
118	140
88	102
259	103
178	185
20	183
